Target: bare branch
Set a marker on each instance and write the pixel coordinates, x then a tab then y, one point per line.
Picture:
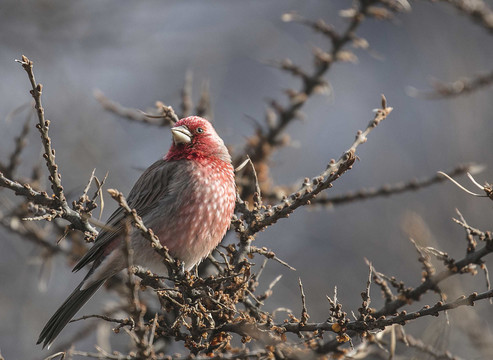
304	311
459	87
146	232
123	322
261	145
43	127
165	115
394	189
20	143
270	255
40	198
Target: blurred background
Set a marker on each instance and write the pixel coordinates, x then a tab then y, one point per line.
139	52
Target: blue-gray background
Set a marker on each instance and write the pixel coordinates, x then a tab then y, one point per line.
139	52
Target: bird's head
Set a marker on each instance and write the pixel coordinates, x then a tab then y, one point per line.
195	138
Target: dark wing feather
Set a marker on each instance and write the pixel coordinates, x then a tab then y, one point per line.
152	186
66	312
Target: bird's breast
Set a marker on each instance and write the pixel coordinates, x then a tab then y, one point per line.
200	221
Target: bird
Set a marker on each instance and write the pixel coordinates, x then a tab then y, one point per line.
187	198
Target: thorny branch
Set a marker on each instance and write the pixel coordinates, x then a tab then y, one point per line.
408	296
146	232
122	322
261	145
58	203
453	268
40	198
251	222
392	189
361	327
277	193
164	116
459	87
20	143
207	313
43	127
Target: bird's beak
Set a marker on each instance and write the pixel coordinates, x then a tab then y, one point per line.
181	135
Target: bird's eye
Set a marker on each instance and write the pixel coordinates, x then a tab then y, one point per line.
200	130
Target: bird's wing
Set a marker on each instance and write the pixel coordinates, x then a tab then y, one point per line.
152	186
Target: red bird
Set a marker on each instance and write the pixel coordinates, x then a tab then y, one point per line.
187	198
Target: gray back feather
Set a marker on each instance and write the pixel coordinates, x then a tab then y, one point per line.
152	186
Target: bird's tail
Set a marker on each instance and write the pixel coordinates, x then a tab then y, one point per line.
66	312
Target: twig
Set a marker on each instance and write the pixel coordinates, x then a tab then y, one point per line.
473	231
431	282
138	332
381	281
131	284
269	291
459	87
261	145
123	322
270	255
304	311
424	258
51	357
365	306
43	127
40	198
20	143
415	294
309	190
58	203
146	232
360	326
166	118
394	189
